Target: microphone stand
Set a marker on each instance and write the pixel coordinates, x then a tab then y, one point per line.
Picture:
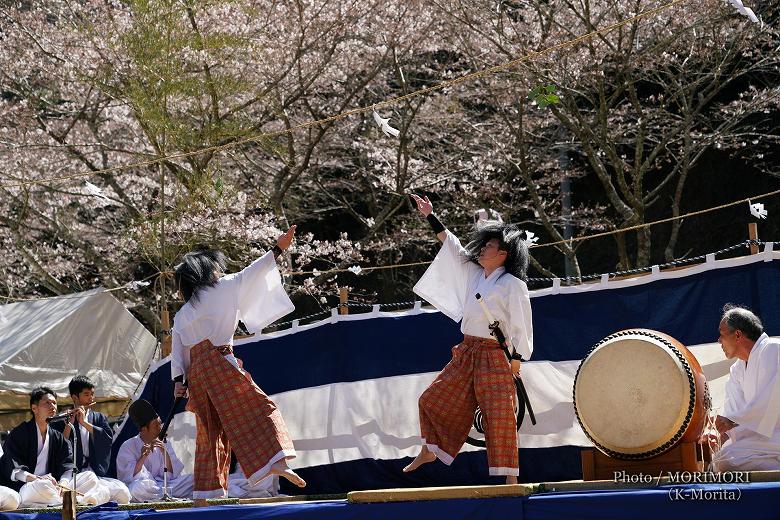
167	497
74	445
76	460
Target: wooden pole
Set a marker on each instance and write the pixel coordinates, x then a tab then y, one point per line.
343	298
69	505
167	342
753	234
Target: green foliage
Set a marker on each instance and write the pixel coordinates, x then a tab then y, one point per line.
172	79
544	95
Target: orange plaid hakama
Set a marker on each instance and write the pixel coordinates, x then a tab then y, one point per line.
231	412
477	375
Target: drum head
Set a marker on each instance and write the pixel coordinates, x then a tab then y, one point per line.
632	395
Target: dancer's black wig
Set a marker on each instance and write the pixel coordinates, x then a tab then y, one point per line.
198	270
510	239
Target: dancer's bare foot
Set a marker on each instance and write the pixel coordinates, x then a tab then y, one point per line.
424	457
200	502
283	470
511	479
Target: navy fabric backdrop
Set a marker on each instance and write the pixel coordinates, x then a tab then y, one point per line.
566	326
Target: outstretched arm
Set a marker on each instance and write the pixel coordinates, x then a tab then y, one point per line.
426	209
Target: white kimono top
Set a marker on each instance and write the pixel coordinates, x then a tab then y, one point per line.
154	464
451	283
255	296
753	402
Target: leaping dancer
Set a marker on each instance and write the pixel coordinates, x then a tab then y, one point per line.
494	265
231	410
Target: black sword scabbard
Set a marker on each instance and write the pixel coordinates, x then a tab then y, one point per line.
499	335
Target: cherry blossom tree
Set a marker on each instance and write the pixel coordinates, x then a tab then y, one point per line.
637	107
209	123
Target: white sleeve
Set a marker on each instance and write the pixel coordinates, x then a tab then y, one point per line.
445	281
20	475
180	356
261	298
521	329
125	464
734	399
760	414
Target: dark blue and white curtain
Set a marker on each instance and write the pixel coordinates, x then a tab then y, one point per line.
348	386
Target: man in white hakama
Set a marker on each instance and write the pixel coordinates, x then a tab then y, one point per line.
37	460
141	461
93	438
240	487
751	413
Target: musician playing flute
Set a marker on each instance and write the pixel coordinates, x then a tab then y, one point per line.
493	264
93	437
37	460
231	410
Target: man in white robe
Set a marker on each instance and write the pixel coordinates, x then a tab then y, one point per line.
142	460
494	266
750	423
231	411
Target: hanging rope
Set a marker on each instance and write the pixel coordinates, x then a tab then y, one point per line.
546	280
662	221
542	279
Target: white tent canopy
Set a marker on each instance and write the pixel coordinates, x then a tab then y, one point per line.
48	341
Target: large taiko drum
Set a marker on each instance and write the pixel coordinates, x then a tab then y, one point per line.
638	393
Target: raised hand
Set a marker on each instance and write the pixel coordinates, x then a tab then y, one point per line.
423	205
723	424
286	239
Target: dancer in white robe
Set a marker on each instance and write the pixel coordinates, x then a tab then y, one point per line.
231	411
140	462
493	265
751	414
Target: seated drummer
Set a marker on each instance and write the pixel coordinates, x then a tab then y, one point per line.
750	424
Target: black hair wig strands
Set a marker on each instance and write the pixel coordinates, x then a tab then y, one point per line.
198	270
510	239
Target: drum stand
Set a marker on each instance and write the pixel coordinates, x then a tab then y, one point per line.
682	457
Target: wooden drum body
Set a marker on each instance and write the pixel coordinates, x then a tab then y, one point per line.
638	393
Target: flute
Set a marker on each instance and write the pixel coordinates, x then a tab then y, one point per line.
67	414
